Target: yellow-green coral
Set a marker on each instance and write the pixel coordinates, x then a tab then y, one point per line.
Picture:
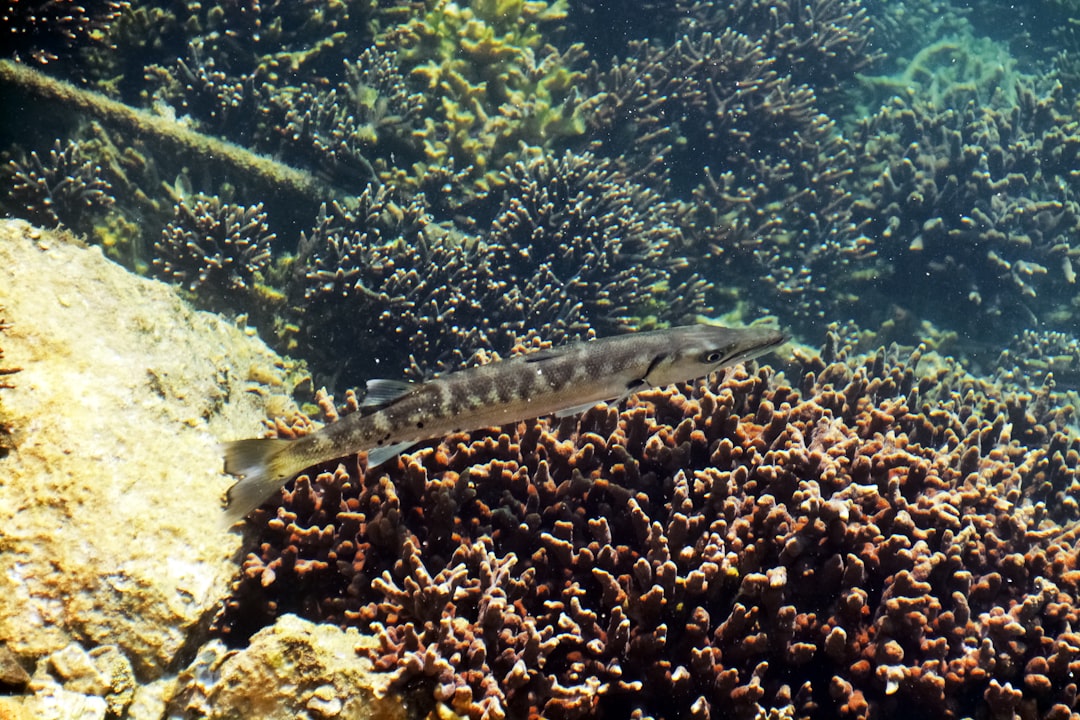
495	81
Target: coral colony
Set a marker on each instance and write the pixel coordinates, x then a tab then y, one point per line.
407	187
861	541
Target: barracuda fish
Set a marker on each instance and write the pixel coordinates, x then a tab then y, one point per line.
561	381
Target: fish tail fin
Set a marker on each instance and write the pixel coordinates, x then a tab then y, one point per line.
257	460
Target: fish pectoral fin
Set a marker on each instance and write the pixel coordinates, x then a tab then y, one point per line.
377	456
636	385
577	409
384	392
633	387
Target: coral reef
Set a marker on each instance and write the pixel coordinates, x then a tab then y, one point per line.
741	81
214	248
901	28
1034	353
973	208
950	72
66	188
378	275
821	43
342	128
244	167
889	533
493	80
420	298
573	247
197	90
715	116
43	31
614	245
271	41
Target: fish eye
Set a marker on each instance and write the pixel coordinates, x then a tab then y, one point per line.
712	357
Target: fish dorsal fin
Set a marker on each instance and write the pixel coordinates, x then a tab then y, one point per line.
541	355
384	392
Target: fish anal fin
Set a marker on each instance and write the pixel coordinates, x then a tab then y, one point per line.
577	409
377	456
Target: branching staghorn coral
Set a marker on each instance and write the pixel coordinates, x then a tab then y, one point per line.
166	133
420	297
973	207
772	204
43	31
378	275
573	247
215	249
65	188
350	128
822	43
613	244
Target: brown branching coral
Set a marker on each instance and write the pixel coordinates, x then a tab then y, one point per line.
892	533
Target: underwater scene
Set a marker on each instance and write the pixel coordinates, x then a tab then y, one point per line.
651	359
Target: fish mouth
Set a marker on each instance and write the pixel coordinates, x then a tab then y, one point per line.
770	340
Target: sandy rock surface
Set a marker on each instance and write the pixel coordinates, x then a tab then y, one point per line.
292	669
114	557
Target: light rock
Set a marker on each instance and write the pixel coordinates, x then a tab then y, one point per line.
292	669
110	502
54	703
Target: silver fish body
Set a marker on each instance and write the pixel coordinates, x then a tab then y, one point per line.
573	377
